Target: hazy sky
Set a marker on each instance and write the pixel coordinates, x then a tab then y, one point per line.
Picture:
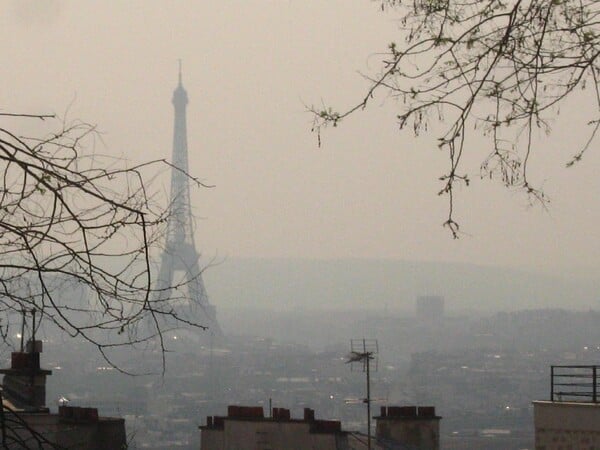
250	67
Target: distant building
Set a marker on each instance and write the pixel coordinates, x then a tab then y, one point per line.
430	307
571	418
28	423
246	428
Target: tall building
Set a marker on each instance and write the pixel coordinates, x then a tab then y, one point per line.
180	254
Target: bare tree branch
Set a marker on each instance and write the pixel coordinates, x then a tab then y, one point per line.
71	219
499	68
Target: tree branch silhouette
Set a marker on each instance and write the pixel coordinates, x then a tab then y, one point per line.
494	68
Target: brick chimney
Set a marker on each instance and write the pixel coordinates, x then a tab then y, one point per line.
24	383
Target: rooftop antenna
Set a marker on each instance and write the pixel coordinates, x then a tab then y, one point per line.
363	351
179	71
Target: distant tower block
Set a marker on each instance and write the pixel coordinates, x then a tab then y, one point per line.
180	253
430	307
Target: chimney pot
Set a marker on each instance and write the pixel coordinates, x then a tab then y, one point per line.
426	411
34	346
309	414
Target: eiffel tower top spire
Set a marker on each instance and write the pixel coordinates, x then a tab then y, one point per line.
180	98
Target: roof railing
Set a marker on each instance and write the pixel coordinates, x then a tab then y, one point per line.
577	383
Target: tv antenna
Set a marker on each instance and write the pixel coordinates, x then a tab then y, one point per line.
362	352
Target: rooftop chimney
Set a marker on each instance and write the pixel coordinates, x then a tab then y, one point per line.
24	383
309	415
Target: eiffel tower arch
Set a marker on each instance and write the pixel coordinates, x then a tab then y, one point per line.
180	255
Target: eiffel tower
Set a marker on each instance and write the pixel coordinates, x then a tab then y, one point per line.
180	254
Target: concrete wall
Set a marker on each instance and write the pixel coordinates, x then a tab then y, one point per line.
566	425
422	434
212	439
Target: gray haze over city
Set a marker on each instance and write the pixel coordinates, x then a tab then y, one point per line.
291	231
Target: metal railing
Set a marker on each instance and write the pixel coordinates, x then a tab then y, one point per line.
575	384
